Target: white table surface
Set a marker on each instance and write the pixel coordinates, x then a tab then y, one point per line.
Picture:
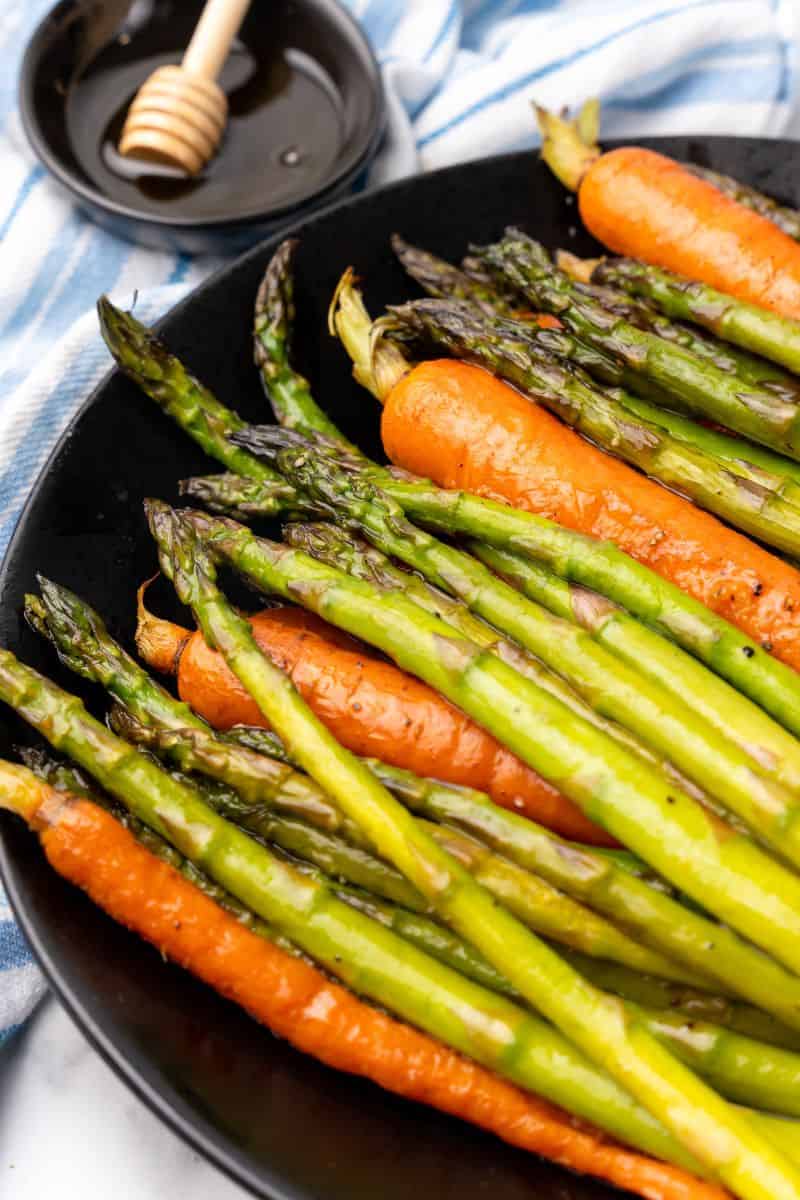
70	1128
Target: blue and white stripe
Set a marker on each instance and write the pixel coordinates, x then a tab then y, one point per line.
460	76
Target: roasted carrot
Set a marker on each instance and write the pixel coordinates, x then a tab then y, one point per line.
461	427
645	205
87	846
371	706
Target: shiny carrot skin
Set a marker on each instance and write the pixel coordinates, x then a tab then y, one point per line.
462	428
371	706
87	846
644	205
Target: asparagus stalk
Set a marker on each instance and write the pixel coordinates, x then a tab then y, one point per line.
524	356
764	415
772	471
330	543
265	791
728	1060
724	1140
595	564
414	791
729	876
582	560
747	325
650	992
787	219
442	280
619	691
370	959
739	1067
288	392
597	880
775	751
163	377
750	368
541	906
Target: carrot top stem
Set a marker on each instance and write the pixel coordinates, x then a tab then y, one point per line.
377	365
569	147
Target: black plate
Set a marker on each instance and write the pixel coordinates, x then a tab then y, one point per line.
277	1122
279	160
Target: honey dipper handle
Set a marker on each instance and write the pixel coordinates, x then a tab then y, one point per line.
218	25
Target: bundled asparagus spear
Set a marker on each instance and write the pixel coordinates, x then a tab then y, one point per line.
621	692
597	880
580	559
740	1067
369	958
734	1064
538	904
533	359
776	751
333	545
441	279
762	415
662	825
748	1163
288	392
289	809
762	466
747	325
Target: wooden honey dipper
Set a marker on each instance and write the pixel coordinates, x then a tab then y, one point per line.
178	115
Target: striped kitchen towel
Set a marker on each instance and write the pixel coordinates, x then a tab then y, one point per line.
459	75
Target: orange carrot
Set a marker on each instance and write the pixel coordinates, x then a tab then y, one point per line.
87	846
461	427
644	205
371	706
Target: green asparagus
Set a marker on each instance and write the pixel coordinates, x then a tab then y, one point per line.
740	1068
764	415
597	880
441	279
619	691
537	903
725	1140
748	325
370	959
730	876
533	360
266	792
164	378
752	369
334	545
775	751
288	392
584	560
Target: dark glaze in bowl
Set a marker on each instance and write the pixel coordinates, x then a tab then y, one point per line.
282	1125
305	116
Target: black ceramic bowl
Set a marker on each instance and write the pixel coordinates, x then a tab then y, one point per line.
281	1124
305	116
